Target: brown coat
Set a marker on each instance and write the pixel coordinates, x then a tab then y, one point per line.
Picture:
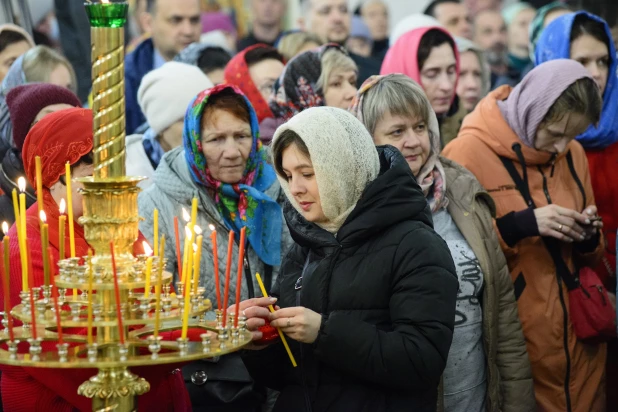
484	137
509	378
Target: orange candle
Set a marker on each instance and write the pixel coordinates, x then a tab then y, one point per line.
5	281
117	293
228	270
215	258
159	287
57	309
90	279
241	257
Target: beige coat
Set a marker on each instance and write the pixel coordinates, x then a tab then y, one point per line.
509	378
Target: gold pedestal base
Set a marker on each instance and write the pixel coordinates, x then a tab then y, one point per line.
114	389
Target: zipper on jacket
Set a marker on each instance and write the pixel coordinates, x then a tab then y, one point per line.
299	287
565	322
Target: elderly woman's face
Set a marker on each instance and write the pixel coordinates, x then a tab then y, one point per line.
226	143
341	89
409	135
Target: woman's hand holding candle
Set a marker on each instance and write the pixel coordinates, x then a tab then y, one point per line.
299	323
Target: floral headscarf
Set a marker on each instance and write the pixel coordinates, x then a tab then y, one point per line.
431	178
297	88
243	204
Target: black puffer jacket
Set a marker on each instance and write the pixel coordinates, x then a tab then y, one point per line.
11	169
386	288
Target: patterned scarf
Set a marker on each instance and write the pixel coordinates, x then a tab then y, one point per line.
243	204
431	177
297	88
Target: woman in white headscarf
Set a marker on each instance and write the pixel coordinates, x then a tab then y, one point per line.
367	293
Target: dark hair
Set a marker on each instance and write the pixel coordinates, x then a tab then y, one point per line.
86	160
585	25
287	139
260	54
213	58
151	6
433	38
430	10
229	101
8	37
583	97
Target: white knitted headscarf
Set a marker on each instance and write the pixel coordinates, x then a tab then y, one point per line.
344	158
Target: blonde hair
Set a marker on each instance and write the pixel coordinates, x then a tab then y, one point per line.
334	59
291	44
40	61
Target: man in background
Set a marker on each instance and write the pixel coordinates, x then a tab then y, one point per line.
375	15
453	15
491	35
266	24
173	25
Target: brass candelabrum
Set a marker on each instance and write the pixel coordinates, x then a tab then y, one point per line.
111	215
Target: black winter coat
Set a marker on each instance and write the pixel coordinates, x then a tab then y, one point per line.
11	169
386	287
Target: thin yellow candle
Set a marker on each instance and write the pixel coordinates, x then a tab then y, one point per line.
148	252
193	213
70	208
16	210
156	232
21	183
185	258
186	307
44	246
90	280
39	183
198	257
61	224
272	310
158	287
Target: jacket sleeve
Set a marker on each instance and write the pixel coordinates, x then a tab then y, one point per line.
516	384
133	113
422	310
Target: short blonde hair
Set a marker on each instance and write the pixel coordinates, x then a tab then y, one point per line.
291	44
334	59
40	61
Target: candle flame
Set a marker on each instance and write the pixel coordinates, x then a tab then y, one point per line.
43	216
211	227
188	232
5	228
185	215
63	206
147	248
21	183
197	230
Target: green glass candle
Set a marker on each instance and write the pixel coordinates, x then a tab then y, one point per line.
111	14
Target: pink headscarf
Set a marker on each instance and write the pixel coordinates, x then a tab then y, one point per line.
402	57
531	99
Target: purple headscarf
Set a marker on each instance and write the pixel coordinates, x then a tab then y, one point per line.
531	99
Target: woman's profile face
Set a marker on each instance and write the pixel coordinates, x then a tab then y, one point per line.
10	54
226	144
408	134
555	137
340	89
593	54
439	76
303	185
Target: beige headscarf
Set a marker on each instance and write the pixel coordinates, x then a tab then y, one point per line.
431	178
344	159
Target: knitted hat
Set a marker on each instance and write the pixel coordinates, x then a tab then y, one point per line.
26	101
165	93
360	29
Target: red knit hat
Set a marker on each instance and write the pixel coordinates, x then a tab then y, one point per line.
26	101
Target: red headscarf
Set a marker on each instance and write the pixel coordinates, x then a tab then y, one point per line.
403	56
237	73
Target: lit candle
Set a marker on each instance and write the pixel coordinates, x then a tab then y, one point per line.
215	258
21	182
39	183
90	279
33	315
16	211
44	246
186	253
67	168
158	287
58	314
228	270
148	252
241	257
177	238
61	225
187	304
156	232
198	257
117	293
5	279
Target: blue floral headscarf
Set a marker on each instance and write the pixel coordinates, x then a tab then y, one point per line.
243	204
555	43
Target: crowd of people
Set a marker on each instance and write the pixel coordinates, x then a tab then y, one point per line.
433	206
